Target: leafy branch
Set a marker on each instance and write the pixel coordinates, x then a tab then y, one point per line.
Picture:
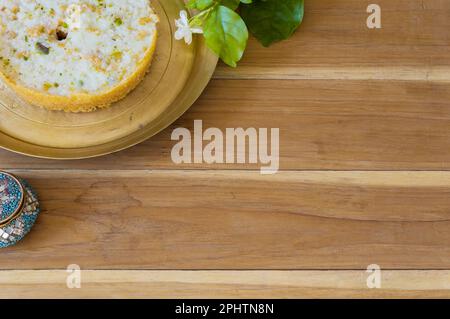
225	24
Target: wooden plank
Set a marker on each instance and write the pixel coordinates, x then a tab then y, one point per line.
335	43
237	220
224	284
345	125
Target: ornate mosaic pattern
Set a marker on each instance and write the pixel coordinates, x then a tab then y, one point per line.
10	199
10	196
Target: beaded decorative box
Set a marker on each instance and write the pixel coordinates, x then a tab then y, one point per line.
19	209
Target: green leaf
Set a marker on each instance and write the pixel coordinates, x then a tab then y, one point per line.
200	4
273	20
226	34
232	4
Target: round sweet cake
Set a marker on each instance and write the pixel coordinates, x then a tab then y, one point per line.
75	55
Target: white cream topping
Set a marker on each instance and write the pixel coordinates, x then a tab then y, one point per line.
71	46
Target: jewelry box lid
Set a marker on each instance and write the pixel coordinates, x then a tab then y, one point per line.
11	197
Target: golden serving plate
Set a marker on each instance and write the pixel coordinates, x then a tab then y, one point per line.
177	77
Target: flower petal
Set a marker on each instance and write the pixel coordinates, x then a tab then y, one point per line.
188	38
184	17
179	23
179	34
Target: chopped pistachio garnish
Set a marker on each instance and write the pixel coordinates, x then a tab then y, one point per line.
42	48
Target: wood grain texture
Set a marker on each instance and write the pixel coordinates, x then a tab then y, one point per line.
237	220
371	103
368	99
335	43
224	284
345	125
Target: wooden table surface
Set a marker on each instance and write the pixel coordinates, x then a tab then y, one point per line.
364	118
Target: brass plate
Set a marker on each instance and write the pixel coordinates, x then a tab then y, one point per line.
177	77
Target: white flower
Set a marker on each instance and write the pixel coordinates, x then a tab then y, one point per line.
184	30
